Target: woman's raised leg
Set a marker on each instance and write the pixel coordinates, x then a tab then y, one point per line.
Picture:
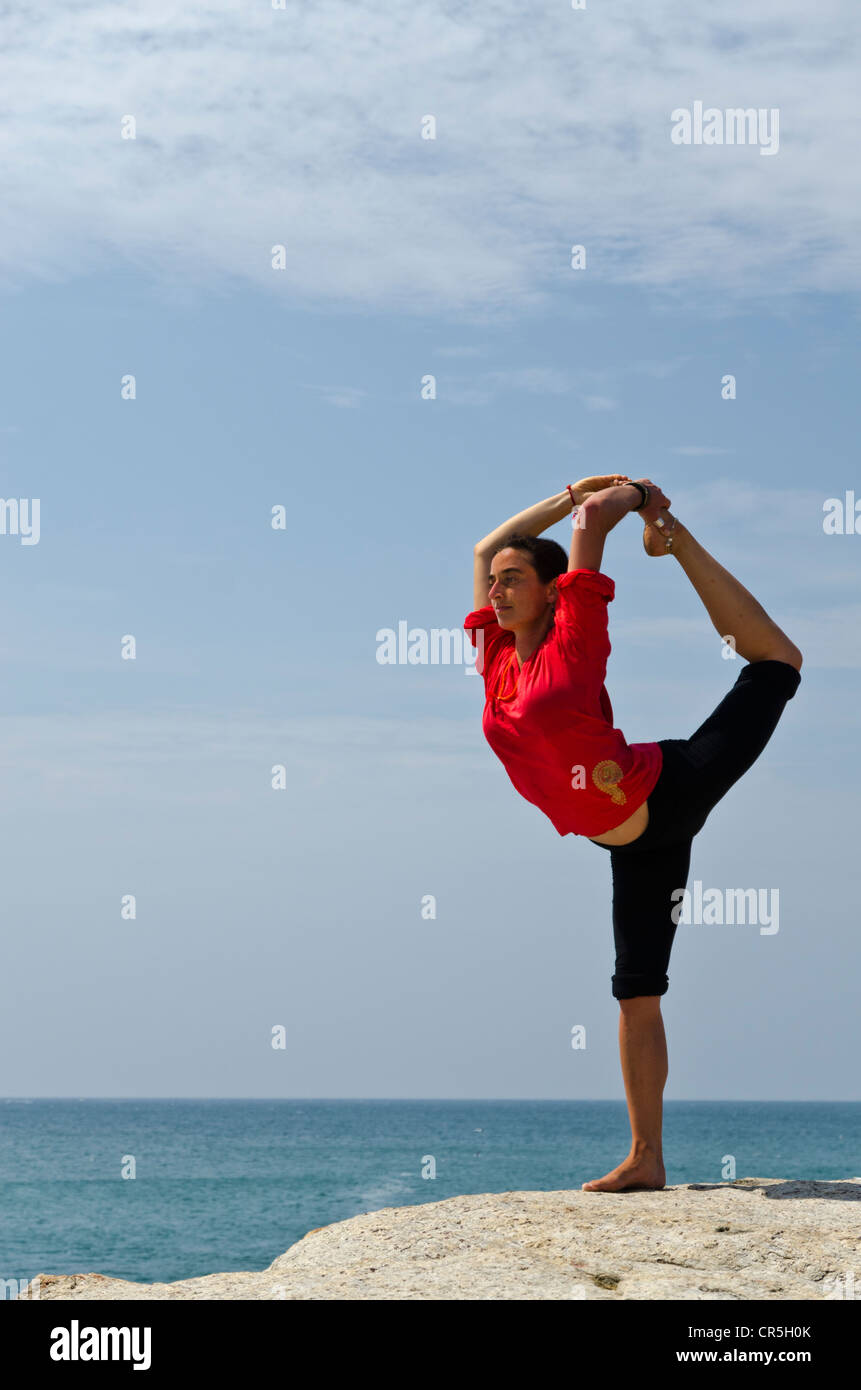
732	608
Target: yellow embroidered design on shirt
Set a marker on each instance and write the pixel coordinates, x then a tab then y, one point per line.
605	776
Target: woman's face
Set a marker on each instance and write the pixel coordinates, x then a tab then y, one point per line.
516	593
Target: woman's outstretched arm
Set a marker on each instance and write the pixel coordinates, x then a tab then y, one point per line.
603	510
532	522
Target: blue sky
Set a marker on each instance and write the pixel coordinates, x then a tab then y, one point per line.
301	387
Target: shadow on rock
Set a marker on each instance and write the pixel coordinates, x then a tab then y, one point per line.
839	1191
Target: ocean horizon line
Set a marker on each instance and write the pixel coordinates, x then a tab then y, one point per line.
426	1100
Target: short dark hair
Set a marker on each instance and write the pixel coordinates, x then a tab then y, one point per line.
547	558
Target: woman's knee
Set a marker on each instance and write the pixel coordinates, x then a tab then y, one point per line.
641	1004
785	651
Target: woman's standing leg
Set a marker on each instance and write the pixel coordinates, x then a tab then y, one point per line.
643	1050
649	877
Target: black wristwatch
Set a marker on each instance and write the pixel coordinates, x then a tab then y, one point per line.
645	491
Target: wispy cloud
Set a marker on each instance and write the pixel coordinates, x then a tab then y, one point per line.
561	437
537	381
540	381
828	638
744	506
347	397
459	393
484	387
698	450
660	369
302	127
461	351
47	760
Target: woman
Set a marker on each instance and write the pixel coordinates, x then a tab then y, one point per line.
547	715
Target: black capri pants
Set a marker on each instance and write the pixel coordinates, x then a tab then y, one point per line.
696	773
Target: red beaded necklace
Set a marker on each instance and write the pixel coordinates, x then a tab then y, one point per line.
499	695
511	660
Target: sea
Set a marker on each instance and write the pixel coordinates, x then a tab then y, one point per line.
158	1190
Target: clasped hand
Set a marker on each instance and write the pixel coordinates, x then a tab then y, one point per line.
658	502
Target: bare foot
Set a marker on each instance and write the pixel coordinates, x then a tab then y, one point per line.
655	537
633	1174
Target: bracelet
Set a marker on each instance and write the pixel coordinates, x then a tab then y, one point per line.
573	498
641	487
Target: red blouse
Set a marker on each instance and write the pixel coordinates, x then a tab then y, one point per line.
550	722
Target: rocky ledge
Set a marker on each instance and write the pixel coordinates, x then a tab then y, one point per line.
758	1238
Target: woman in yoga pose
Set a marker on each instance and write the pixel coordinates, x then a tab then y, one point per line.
543	653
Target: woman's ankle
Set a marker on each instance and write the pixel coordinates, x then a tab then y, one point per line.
646	1149
681	537
664	540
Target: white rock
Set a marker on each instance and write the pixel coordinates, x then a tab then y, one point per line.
758	1238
